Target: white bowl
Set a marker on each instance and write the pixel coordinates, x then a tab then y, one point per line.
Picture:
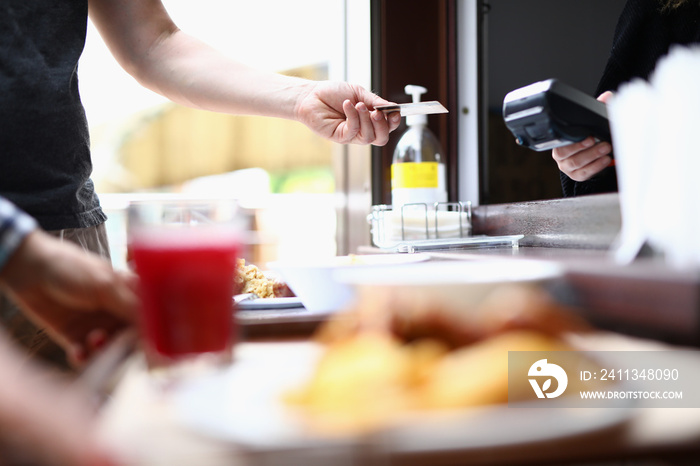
452	272
315	283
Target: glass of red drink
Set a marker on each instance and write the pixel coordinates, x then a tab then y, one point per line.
184	252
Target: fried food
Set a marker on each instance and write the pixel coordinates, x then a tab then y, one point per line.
358	384
457	322
250	279
390	356
478	374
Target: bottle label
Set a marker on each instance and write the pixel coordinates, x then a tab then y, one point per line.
414	175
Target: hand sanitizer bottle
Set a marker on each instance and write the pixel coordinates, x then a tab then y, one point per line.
417	169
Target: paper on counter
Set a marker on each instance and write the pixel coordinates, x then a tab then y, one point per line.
634	143
654	128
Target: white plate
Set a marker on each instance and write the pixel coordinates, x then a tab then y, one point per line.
452	273
314	283
243	405
269	303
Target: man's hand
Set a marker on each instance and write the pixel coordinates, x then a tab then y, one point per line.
345	113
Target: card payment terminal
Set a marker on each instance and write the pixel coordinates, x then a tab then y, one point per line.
549	114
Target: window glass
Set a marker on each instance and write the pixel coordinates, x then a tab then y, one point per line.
143	143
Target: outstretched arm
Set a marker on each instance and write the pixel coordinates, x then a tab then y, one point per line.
150	47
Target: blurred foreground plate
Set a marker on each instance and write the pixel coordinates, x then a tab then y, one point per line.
242	405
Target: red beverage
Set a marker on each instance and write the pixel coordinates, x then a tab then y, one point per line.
186	291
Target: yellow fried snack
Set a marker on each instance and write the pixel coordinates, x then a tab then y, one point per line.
410	316
358	383
386	357
369	380
478	374
250	279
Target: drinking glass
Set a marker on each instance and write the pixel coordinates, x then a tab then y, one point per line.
184	252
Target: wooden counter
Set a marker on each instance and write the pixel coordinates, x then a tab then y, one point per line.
586	222
645	298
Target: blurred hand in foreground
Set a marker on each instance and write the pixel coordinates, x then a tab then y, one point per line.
44	419
76	296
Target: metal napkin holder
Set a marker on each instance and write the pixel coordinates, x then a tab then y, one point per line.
430	237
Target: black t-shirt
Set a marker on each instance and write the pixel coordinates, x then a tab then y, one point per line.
643	35
45	161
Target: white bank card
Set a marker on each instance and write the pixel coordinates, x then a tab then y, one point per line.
418	108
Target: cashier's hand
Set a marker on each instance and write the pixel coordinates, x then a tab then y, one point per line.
583	160
344	113
76	296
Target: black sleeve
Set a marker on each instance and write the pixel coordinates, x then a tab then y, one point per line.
603	182
641	36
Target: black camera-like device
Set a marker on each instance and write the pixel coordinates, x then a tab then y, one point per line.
549	114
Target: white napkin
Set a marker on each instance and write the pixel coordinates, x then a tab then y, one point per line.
656	135
416	223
